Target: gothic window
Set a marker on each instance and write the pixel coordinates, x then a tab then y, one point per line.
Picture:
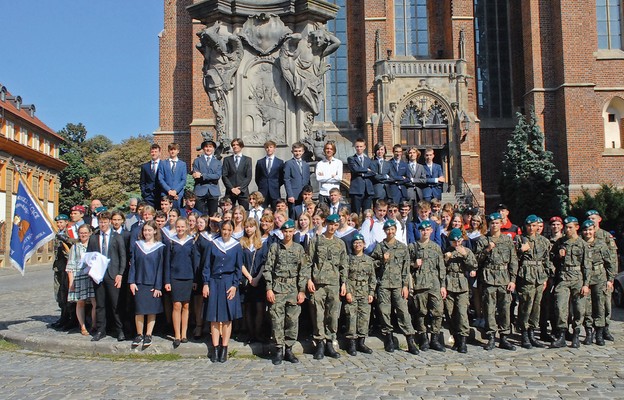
493	46
613	116
412	115
609	24
436	115
411	28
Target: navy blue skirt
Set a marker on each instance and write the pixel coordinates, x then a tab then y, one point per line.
218	308
181	290
145	303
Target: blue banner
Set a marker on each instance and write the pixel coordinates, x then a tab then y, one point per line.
31	229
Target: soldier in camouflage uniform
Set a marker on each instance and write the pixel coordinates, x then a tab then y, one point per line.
326	284
601	277
572	260
499	266
62	244
607	238
429	275
533	272
361	283
286	272
393	260
547	309
459	261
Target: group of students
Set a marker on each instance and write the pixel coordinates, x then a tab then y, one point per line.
277	254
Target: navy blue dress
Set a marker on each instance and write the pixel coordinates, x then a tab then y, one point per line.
180	268
254	260
347	238
222	270
146	271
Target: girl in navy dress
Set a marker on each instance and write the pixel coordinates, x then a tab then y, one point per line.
145	279
202	240
222	274
254	255
345	231
180	270
239	215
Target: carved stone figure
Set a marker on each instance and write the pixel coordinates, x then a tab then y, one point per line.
264	32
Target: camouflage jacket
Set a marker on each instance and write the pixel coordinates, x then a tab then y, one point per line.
456	269
287	269
432	272
329	261
393	273
535	265
576	263
361	279
499	266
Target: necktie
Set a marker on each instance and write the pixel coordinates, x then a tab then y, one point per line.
153	167
236	161
104	245
397	165
361	160
333	210
173	163
300	167
269	164
208	160
413	168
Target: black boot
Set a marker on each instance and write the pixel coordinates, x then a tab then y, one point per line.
411	345
576	342
351	347
435	343
600	337
290	356
455	342
362	347
214	356
490	344
461	347
320	350
560	341
423	341
389	343
526	343
329	350
223	354
279	356
504	343
545	336
589	336
534	341
607	335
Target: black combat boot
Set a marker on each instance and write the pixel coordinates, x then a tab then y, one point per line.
223	355
435	343
411	345
560	341
600	337
607	335
329	350
576	342
505	344
290	356
423	341
490	344
455	342
526	343
362	347
589	336
279	356
389	343
320	350
534	341
545	336
461	347
351	350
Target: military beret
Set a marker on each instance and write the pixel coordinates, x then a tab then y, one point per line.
570	220
455	234
288	224
208	142
389	223
61	217
588	223
540	220
78	208
501	206
358	236
555	219
424	225
592	212
531	219
494	216
333	218
100	209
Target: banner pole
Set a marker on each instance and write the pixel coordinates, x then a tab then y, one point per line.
32	194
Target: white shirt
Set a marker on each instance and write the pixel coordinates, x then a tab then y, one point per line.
324	171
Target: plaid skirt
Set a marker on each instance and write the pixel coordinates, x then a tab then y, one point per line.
83	287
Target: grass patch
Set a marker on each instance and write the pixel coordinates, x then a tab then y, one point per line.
8	346
141	357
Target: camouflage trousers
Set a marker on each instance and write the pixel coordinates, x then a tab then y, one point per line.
496	309
595	310
325	305
457	307
529	308
285	318
428	301
389	299
358	317
569	293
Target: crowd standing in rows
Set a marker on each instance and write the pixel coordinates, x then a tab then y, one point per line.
394	250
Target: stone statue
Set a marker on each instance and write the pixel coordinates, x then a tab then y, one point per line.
315	144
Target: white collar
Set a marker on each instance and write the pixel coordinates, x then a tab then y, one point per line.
173	159
141	244
223	246
179	241
339	234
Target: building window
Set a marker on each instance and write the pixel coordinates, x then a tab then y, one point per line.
40	186
411	28
10	130
613	116
493	46
46	147
23	136
609	24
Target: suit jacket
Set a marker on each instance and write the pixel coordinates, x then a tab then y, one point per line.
361	176
269	182
240	177
150	187
433	189
396	188
294	180
380	178
208	184
341	206
413	234
172	180
417	180
116	253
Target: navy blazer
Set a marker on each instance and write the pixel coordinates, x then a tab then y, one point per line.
233	177
361	176
398	177
180	261
116	253
210	175
175	180
150	187
433	189
294	180
380	178
269	182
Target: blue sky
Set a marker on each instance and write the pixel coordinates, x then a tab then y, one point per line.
94	62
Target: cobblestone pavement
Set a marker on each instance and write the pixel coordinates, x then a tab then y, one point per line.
588	372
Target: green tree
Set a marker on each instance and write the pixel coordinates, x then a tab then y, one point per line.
529	181
76	175
92	148
608	201
74	135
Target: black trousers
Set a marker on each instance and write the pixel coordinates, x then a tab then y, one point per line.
207	205
360	202
107	299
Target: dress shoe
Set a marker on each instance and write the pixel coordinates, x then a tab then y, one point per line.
290	356
184	340
98	336
121	337
176	343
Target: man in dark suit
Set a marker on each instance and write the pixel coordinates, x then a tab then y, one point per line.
435	177
173	177
381	168
417	178
125	304
207	171
306	196
396	189
296	176
112	246
237	174
361	190
269	175
423	213
150	189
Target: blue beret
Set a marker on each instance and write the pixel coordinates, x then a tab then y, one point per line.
333	218
424	225
540	220
389	223
494	216
592	212
61	217
358	236
288	224
531	219
100	209
570	220
587	224
455	234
